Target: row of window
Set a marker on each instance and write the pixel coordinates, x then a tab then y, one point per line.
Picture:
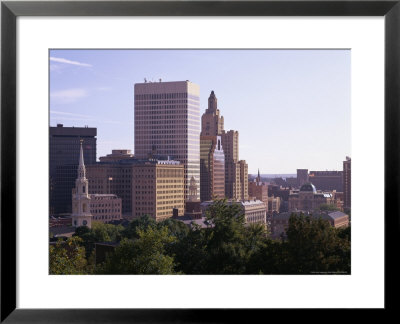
162	96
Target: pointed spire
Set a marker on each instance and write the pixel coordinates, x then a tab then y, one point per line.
81	167
81	162
212	102
258	177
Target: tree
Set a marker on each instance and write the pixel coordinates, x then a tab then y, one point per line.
191	253
314	246
141	223
226	252
67	257
328	207
144	255
99	232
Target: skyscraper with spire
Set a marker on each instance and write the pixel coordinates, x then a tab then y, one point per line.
212	123
212	157
81	215
235	171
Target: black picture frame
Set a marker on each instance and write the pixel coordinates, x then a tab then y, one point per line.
10	10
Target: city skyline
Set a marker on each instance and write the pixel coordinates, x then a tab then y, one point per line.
291	107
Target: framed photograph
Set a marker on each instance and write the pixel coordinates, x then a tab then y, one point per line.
194	127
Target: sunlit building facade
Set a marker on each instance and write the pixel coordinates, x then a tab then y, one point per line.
167	123
212	168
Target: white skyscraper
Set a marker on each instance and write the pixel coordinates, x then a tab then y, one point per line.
167	123
81	215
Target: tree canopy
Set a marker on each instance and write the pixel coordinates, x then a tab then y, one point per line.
227	246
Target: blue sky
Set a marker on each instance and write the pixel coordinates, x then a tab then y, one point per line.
291	107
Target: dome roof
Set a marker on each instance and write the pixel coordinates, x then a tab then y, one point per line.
308	187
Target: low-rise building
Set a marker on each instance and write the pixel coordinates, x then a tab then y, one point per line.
105	207
274	204
254	210
280	222
308	199
117	155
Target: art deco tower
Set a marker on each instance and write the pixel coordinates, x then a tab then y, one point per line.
81	215
212	157
212	123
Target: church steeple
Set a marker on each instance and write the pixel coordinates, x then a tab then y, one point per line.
81	167
258	177
81	215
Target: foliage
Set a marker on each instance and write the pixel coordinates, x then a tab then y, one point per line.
99	232
141	223
145	255
328	207
314	246
227	246
67	257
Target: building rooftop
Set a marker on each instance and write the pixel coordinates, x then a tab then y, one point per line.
309	187
136	161
316	215
62	231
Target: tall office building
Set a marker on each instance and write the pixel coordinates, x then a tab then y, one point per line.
212	168
302	177
347	182
244	180
230	143
167	123
212	157
327	180
63	162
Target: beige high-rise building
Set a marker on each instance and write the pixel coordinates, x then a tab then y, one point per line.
244	180
167	123
212	157
230	143
212	168
158	189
